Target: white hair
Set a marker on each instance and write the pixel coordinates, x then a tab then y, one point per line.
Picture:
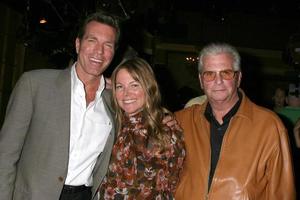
218	48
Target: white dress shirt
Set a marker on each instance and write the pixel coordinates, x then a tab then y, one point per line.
90	127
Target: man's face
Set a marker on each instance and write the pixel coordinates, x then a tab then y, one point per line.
95	50
220	90
293	101
279	97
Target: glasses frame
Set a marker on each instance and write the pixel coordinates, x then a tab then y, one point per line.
221	73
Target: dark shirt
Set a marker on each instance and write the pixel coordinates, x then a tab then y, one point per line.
217	132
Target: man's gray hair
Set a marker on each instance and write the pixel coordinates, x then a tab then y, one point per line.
218	48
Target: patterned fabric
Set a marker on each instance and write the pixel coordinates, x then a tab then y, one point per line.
140	168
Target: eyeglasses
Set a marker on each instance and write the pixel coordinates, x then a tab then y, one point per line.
227	74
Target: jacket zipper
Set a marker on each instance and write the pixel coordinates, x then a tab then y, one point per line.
207	189
225	136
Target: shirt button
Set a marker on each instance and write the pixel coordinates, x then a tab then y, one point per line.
61	179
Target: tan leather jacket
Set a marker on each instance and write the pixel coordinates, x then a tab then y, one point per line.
254	162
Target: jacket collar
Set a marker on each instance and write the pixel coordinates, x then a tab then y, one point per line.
246	107
244	110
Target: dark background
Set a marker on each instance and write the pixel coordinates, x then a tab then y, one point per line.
265	32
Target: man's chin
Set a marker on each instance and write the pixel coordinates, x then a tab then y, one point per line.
218	99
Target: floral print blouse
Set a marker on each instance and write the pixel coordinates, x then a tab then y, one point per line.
141	169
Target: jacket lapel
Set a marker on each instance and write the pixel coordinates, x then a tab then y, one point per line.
101	166
62	110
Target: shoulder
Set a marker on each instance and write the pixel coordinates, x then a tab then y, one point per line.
196	100
43	73
256	113
107	96
190	113
266	114
107	93
266	120
174	140
44	79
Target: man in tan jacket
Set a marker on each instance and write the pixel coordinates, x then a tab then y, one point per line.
235	148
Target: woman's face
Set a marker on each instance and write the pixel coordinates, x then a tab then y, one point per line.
129	93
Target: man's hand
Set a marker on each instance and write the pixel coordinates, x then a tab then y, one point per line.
171	122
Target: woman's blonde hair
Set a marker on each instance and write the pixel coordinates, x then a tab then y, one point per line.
152	112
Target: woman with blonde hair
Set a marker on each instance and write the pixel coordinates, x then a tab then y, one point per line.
147	156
